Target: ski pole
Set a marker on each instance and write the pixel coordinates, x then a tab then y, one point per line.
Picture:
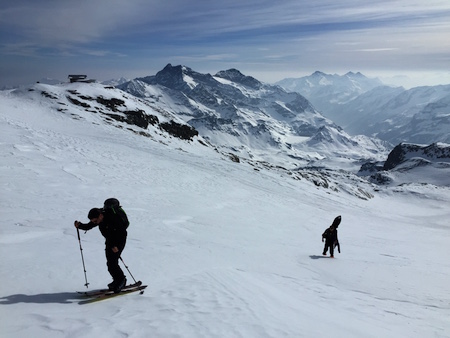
128	270
82	259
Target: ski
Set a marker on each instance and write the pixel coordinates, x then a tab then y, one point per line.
111	294
104	291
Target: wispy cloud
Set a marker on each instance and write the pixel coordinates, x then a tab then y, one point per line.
280	35
372	50
53	22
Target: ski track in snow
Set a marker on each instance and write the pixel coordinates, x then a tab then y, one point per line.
227	251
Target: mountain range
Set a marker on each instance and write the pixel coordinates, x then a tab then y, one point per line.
248	121
365	106
240	114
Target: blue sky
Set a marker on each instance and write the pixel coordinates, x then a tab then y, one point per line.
269	40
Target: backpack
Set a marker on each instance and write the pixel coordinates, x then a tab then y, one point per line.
113	205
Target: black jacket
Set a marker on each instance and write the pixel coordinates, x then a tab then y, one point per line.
112	228
331	237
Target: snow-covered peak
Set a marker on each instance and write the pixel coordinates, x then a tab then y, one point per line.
357	75
236	76
318	74
180	78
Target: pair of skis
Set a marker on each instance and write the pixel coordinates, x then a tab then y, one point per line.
97	295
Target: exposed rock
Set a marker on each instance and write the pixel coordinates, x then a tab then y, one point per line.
112	103
181	131
403	151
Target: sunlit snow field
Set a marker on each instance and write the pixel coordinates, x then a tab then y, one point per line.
226	251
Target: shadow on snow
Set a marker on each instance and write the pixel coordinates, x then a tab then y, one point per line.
43	298
317	257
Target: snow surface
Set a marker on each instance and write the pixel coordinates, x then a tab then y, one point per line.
227	251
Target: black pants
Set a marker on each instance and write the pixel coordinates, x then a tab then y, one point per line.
112	261
328	245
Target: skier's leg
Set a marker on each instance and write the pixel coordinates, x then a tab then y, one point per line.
112	261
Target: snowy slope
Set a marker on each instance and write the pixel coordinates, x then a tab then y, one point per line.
227	250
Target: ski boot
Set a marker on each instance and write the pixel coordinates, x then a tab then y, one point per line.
120	285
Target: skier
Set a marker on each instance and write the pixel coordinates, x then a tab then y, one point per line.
112	227
330	236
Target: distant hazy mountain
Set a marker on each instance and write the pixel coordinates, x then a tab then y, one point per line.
115	82
50	81
424	117
365	106
326	90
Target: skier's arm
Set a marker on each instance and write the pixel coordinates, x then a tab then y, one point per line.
85	227
325	234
